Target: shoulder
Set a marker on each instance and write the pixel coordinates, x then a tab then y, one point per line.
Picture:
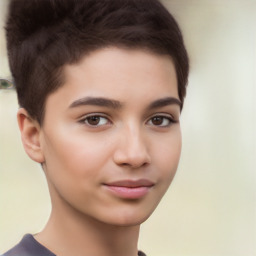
28	246
19	249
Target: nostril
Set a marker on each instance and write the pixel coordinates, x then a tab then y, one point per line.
132	151
134	164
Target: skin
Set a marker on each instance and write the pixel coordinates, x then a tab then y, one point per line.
84	144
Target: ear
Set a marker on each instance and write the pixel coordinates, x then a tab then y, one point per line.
30	135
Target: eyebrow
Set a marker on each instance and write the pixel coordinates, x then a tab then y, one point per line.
102	102
114	104
165	102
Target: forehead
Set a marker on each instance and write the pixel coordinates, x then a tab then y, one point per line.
121	74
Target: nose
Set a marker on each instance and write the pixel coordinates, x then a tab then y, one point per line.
132	149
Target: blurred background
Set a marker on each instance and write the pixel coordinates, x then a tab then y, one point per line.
210	208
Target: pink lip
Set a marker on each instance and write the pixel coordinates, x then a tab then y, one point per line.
130	189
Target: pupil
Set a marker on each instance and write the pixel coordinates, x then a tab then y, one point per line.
93	120
157	120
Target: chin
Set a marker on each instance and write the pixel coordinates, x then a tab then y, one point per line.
128	218
128	222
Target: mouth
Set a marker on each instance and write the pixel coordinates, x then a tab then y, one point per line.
129	189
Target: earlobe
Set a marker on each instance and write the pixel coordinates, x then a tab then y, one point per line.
30	135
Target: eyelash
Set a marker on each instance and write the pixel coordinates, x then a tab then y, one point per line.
164	119
170	120
100	116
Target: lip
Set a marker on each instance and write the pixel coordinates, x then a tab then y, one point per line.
129	189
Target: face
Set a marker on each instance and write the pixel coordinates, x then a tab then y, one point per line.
111	136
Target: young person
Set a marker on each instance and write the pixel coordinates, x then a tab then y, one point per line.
101	85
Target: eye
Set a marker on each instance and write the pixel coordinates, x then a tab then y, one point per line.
95	120
161	121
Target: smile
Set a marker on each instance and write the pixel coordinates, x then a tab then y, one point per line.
128	189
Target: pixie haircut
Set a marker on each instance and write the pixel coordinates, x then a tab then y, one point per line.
44	35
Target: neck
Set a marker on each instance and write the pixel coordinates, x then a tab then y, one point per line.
73	233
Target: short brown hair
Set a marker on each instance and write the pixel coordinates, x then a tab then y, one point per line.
44	35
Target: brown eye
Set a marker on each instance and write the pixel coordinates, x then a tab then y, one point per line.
161	121
95	121
157	120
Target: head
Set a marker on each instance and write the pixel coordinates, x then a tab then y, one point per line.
101	85
45	35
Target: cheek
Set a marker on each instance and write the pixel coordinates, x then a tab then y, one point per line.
73	166
167	157
77	155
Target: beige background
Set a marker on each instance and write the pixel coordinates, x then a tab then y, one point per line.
210	208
